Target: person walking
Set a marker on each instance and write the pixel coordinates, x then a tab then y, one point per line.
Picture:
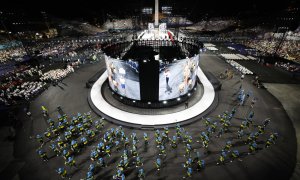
167	75
44	110
186	104
242	77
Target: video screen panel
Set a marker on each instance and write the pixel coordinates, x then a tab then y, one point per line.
123	77
177	78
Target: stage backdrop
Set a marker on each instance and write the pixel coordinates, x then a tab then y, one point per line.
123	77
177	78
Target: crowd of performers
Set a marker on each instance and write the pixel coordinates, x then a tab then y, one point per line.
67	137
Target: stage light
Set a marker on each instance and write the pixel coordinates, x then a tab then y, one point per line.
149	102
165	102
121	97
133	101
189	94
178	99
144	61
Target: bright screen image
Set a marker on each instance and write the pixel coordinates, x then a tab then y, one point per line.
123	77
177	78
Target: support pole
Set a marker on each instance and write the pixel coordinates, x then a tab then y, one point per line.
156	14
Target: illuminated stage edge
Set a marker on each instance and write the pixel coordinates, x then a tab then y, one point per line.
124	117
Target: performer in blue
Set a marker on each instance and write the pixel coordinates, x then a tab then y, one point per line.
94	155
227	146
197	157
158	164
188	149
138	162
42	154
252	147
89	176
117	145
235	155
146	138
200	165
166	130
55	149
39	138
100	147
70	162
101	162
189	172
188	163
66	154
141	173
174	142
74	146
107	150
222	158
50	122
84	141
92	168
240	133
62	172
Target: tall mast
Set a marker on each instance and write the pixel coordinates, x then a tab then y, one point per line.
156	13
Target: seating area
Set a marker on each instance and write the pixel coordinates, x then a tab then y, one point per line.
26	82
239	67
237	57
291	67
212	48
289	49
56	74
24	91
13	53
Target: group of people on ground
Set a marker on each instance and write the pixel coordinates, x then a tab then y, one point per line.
68	137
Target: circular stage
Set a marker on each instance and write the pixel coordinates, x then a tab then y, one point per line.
100	105
152	73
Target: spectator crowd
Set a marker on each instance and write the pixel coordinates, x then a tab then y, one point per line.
27	82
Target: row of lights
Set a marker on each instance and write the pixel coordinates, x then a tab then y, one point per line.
17	23
164	102
91	40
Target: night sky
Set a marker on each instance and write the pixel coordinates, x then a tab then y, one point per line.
191	8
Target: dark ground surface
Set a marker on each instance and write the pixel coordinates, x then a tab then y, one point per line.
276	162
269	74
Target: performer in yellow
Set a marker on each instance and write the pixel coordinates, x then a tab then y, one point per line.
45	110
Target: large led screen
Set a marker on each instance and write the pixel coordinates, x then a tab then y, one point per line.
177	78
123	77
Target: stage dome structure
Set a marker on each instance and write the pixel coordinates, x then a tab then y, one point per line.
152	74
152	68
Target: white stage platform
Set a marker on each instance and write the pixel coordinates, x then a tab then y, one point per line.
153	120
155	34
